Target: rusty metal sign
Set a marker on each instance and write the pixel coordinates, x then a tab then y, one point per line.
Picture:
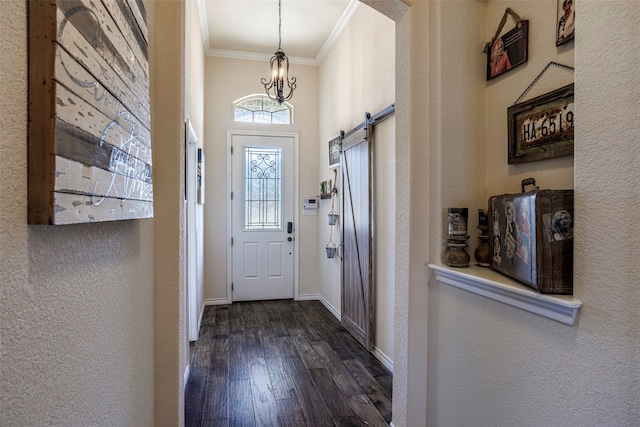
542	127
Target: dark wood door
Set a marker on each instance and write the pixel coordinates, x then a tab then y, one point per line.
357	275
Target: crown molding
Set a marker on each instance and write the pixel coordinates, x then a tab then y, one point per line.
337	30
204	25
252	56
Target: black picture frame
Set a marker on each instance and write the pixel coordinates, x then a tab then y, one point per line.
335	144
508	51
565	21
542	127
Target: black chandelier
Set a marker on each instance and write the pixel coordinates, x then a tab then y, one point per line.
279	68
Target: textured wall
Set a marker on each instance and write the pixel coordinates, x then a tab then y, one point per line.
194	101
76	302
412	177
166	59
492	364
357	76
503	91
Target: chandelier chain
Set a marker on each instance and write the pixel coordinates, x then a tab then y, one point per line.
279	24
279	78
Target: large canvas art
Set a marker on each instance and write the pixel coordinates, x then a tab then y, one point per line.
89	114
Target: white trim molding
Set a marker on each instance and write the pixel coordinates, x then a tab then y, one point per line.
186	376
493	285
296	210
253	56
383	358
327	305
216	301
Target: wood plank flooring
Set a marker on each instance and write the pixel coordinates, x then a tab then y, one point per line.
282	363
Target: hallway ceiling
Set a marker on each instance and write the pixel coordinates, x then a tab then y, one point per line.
249	28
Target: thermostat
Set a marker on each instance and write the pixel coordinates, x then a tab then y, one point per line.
310	206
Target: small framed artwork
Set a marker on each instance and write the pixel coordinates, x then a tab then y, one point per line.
508	51
565	24
542	127
200	176
335	144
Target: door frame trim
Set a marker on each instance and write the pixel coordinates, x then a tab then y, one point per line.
296	208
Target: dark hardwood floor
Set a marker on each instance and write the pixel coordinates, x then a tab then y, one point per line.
282	363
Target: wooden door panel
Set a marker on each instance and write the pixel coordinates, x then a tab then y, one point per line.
357	301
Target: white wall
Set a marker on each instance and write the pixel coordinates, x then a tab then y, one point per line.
487	363
194	99
357	76
166	25
227	80
503	91
76	301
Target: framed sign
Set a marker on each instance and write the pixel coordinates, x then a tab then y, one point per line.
334	151
89	112
510	50
542	127
565	25
200	177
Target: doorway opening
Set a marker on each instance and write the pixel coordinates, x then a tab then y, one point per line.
263	212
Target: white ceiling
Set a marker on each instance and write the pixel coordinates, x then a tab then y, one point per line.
249	28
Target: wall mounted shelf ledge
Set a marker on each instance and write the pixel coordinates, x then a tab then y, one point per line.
491	284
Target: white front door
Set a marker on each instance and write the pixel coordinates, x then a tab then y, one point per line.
262	216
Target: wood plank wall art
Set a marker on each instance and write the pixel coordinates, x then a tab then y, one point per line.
89	115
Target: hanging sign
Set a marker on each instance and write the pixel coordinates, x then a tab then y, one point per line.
542	127
510	50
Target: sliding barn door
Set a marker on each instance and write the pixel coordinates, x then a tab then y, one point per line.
357	277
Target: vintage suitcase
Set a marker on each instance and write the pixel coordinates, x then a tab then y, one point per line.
532	238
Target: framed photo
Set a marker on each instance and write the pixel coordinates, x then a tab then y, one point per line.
508	51
565	25
335	144
200	176
542	127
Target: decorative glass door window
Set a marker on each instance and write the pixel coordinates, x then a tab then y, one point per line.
262	188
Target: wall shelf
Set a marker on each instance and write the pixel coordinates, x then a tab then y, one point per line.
491	284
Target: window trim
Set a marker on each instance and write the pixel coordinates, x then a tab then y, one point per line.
262	97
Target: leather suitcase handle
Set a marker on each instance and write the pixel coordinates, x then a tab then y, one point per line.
529	181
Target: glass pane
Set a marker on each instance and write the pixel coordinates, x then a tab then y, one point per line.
282	117
262	188
261	117
262	109
253	104
271	105
242	115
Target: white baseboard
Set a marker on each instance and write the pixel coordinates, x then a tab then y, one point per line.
186	376
216	301
318	297
383	358
331	308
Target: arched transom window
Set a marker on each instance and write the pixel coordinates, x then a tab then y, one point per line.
262	109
